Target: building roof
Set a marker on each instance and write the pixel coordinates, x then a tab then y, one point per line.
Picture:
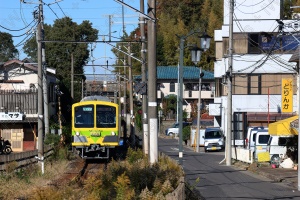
295	56
189	72
31	66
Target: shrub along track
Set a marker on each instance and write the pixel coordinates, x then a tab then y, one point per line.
78	170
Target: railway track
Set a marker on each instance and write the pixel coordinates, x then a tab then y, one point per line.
79	170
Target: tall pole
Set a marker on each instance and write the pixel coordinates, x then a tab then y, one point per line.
119	94
40	91
124	95
197	135
72	77
229	85
177	92
179	101
45	86
298	115
144	79
132	134
82	85
152	93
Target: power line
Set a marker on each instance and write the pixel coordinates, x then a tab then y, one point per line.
18	29
256	11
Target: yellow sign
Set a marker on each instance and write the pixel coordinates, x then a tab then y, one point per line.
287	95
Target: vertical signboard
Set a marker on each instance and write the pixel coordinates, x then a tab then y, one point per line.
287	95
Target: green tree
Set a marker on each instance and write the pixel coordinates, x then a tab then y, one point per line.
7	49
58	55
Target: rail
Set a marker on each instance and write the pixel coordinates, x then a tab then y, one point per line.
23	158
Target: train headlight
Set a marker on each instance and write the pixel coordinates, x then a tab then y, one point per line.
77	133
113	133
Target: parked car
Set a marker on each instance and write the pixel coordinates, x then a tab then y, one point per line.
213	139
174	129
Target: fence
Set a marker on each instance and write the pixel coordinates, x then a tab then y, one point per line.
19	101
23	158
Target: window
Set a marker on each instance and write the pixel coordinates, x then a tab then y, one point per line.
84	116
254	84
172	87
106	116
263	139
253	43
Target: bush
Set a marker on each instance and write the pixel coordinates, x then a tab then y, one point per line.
186	133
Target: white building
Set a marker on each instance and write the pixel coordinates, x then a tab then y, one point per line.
262	47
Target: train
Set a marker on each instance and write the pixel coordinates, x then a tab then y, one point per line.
96	128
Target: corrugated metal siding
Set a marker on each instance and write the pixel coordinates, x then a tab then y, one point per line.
25	100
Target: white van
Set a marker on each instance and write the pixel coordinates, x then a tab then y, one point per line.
251	136
213	139
261	142
278	145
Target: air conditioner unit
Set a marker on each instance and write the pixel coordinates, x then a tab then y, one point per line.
296	16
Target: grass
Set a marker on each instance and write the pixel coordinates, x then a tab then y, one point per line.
132	178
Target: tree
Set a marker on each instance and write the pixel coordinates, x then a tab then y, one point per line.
7	49
58	55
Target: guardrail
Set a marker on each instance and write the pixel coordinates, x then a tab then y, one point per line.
23	158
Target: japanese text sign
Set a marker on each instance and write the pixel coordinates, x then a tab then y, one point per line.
287	95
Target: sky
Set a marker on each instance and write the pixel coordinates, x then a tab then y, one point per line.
16	15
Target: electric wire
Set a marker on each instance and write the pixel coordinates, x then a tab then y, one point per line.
52	10
61	9
22	14
258	10
269	54
17	29
241	4
24	40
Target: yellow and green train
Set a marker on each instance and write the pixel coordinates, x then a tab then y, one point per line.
95	127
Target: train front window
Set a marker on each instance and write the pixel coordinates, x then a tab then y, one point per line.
106	116
84	116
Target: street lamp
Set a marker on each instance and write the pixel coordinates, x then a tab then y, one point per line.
204	43
196	56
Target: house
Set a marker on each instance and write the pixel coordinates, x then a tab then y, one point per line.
101	85
262	47
167	85
19	102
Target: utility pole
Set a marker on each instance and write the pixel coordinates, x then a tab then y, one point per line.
132	133
40	90
124	96
229	87
72	77
144	79
152	93
45	87
120	114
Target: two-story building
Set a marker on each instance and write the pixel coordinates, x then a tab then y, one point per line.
19	102
168	85
262	47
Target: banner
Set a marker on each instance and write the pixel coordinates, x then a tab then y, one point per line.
287	95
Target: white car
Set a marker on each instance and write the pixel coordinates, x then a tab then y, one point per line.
174	129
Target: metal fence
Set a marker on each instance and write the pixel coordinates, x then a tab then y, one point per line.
24	101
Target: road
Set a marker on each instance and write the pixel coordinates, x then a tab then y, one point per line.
213	180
